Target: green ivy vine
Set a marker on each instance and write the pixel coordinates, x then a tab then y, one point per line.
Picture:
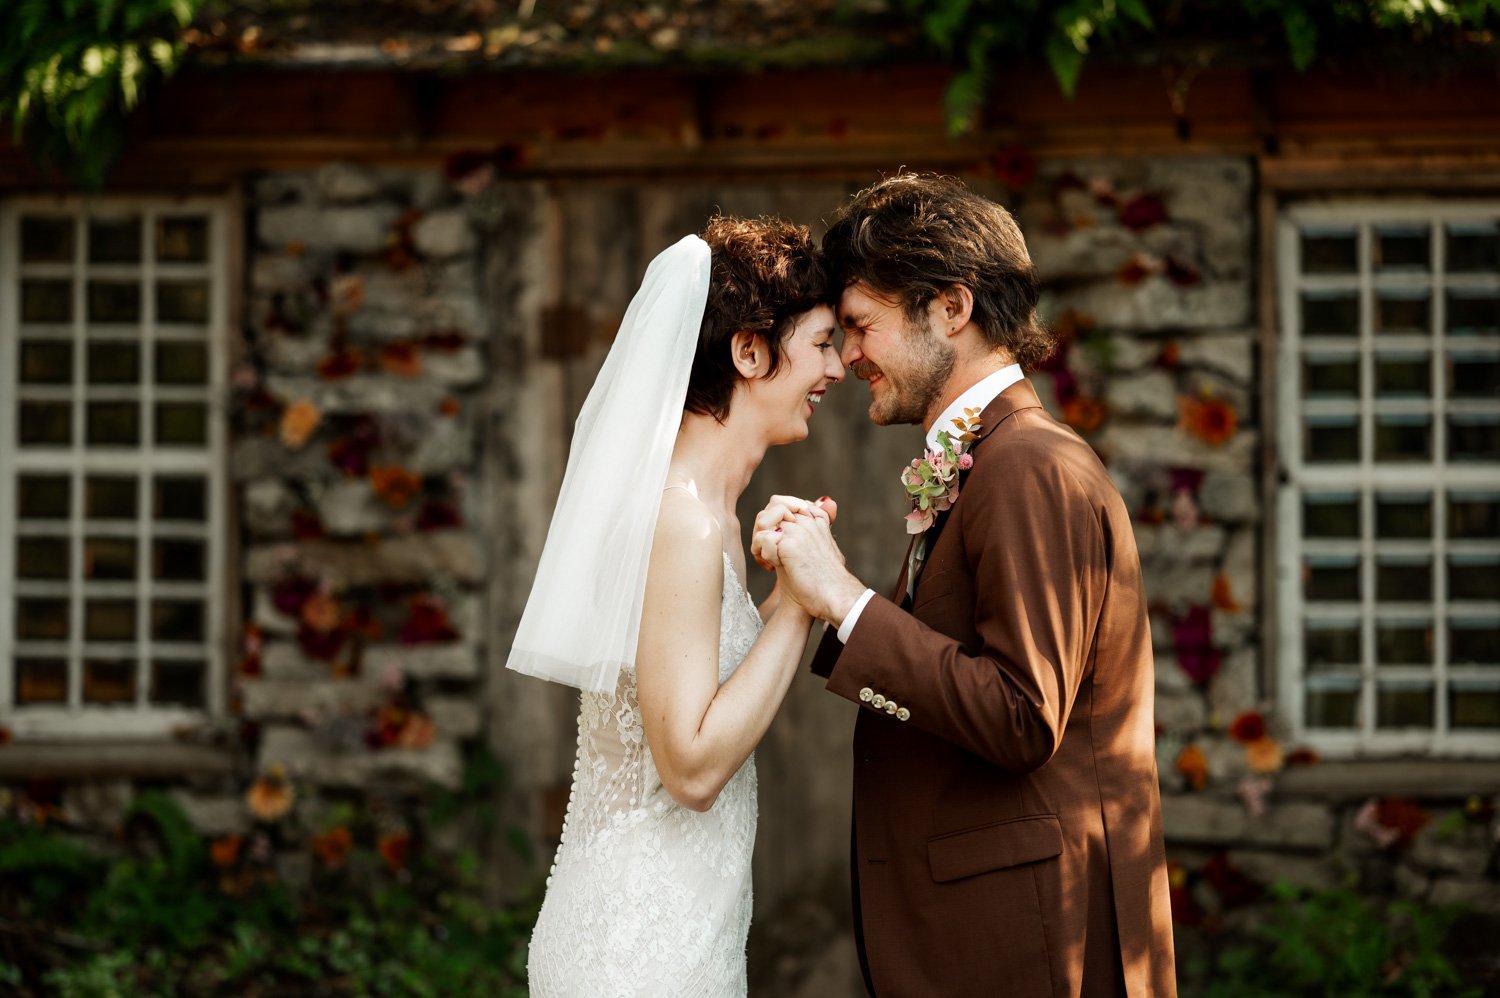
72	70
980	36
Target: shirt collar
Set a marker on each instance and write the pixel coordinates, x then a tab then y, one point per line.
976	396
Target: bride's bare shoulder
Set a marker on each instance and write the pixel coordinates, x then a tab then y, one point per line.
687	533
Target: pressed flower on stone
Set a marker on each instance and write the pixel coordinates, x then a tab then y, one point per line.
271	796
395	485
298	421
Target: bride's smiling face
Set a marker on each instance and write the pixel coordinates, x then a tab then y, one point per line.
785	401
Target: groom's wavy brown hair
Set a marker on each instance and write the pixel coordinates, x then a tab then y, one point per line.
914	235
765	272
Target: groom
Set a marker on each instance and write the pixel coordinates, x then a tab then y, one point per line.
1007	821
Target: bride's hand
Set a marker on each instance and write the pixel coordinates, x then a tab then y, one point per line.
781	509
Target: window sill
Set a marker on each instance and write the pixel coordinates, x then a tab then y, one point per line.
1397	777
99	760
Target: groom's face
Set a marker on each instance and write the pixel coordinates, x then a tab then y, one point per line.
905	363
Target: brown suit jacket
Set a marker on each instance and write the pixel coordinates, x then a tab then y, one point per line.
1007	833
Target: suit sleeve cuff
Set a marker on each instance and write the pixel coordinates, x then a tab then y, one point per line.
852	617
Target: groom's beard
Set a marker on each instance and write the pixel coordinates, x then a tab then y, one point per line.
915	381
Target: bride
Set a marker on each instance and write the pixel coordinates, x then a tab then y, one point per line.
639	600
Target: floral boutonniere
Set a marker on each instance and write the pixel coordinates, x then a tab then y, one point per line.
932	480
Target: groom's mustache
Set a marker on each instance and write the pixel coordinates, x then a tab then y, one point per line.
864	370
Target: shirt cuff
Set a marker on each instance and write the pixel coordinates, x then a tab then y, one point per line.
852	617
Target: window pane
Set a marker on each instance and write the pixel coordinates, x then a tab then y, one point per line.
42	557
182	301
46	424
1474	375
114	363
108	497
1403	642
108	681
1474	438
1473	312
1403	438
1403	313
1473	247
1332	708
114	301
1328	643
1330	377
181	423
47	301
42	619
1403	580
109	558
114	423
1332	439
115	240
1473	515
109	620
1475	577
1327	313
1403	516
179	560
1402	247
1331	250
181	499
1473	707
178	683
42	497
1403	375
1474	641
182	363
46	240
177	620
182	240
41	680
1403	706
1330	515
1331	579
46	362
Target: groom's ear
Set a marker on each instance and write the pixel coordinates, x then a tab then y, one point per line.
955	307
749	353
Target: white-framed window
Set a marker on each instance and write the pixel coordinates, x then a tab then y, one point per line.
113	324
1388	519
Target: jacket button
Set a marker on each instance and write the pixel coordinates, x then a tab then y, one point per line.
903	714
877	701
865	694
890	706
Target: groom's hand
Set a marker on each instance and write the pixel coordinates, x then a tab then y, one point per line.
781	509
812	566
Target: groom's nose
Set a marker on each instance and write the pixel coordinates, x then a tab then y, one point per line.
849	351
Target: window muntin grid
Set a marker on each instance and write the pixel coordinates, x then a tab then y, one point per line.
112	328
1389	515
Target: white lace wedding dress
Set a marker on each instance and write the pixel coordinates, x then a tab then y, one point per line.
648	899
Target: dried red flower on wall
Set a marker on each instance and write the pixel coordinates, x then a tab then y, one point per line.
401	359
1248	727
1193	765
289	593
1222	597
426	622
1233	887
1403	817
225	850
395	849
438	514
332	847
1192	637
1142	212
1014	166
1208	419
340	364
1084	414
395	485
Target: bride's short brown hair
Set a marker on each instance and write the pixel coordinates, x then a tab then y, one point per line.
765	272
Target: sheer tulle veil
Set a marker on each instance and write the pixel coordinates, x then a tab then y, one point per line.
583	617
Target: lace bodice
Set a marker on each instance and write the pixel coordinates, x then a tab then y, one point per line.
647	897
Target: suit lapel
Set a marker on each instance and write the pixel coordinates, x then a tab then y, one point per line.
1015	398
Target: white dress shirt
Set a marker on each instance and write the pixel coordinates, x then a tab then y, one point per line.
976	396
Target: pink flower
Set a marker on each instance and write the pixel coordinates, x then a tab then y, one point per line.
965	462
919	520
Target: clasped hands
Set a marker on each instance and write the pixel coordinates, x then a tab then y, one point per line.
794	538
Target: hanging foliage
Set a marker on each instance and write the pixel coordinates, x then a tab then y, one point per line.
72	70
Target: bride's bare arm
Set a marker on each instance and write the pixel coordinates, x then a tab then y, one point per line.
699	732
